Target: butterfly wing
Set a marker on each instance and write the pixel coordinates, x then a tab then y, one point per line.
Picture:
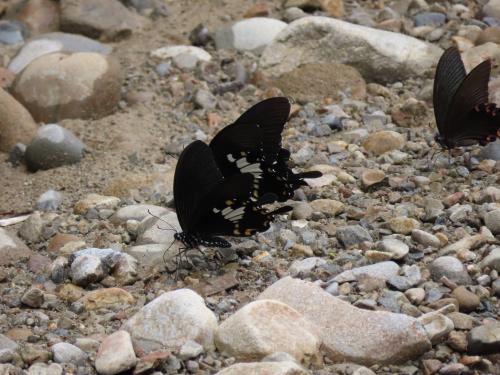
465	118
228	210
196	174
450	73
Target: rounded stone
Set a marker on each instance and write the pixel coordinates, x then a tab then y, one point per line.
16	124
60	85
383	141
467	301
403	225
52	147
492	221
372	177
40	16
450	267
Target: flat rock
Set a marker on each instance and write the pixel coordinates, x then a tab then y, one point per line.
467	301
33	297
329	207
403	225
492	260
16	123
116	354
378	55
172	319
185	57
312	81
264	327
491	151
384	141
74	85
95	18
154	230
7	343
450	267
351	334
484	339
52	147
87	269
107	298
398	249
382	270
44	369
425	238
353	235
264	368
64	352
492	221
251	34
372	177
54	42
95	201
12	249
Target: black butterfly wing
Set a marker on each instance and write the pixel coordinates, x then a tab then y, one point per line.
257	129
196	174
464	118
484	126
450	73
228	209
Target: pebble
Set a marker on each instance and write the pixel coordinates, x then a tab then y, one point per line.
268	368
467	301
356	44
204	99
403	225
484	339
31	229
353	235
396	248
64	352
107	298
74	85
33	297
492	221
250	335
492	9
49	201
492	260
415	295
436	325
372	177
96	19
491	151
172	319
190	349
251	34
87	269
450	267
40	16
184	57
381	142
95	201
302	210
429	19
425	238
457	340
11	32
116	354
16	123
305	266
45	369
329	207
7	343
12	249
349	333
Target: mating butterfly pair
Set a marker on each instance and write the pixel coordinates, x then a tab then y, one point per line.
463	113
220	189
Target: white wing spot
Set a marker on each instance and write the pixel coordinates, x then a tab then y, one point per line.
231	158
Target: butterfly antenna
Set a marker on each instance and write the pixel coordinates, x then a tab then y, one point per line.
165	260
171	155
164	221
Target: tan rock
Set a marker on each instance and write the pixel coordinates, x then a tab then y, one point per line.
116	354
61	85
70	292
61	239
16	124
334	8
383	141
106	298
403	225
12	249
329	207
490	34
257	10
351	334
95	201
371	177
41	16
264	327
317	81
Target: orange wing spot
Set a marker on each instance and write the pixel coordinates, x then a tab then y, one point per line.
249	232
229	203
236	232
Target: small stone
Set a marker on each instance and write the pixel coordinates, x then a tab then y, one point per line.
172	319
205	99
33	298
429	19
403	225
452	369
11	32
95	201
249	334
492	221
384	141
492	260
467	301
49	201
424	238
66	353
7	343
267	368
431	366
45	369
415	295
40	16
371	177
457	340
437	326
106	298
252	34
87	269
484	339
328	207
353	235
382	270
293	13
31	229
302	210
305	266
450	267
396	248
116	354
184	57
52	147
492	8
12	249
190	349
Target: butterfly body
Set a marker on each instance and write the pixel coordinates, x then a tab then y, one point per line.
463	114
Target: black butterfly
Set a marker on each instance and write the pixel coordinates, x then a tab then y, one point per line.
209	205
252	144
463	114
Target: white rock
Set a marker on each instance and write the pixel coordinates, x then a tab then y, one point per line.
172	319
87	269
436	325
397	248
44	369
382	270
302	266
190	349
33	50
425	238
264	327
264	368
351	334
378	55
66	353
116	354
492	221
185	57
252	34
137	212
